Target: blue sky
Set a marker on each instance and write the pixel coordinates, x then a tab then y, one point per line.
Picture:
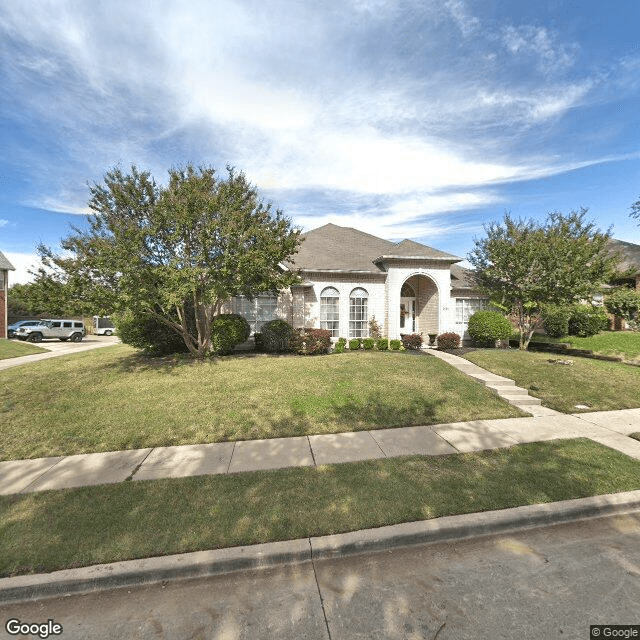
419	119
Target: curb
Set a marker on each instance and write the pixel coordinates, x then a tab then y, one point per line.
209	563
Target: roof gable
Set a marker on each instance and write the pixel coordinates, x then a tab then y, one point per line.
335	248
5	264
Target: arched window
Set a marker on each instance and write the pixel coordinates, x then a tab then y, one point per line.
330	311
358	316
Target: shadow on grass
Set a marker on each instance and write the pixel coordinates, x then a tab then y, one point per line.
78	527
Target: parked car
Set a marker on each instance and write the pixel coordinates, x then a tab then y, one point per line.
62	329
12	329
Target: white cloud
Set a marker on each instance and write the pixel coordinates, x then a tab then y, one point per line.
459	12
3	222
541	43
22	262
292	93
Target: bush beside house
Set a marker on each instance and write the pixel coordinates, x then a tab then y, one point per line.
487	327
448	341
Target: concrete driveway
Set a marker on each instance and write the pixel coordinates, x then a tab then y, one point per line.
58	348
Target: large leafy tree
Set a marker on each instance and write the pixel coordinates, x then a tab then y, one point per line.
523	264
176	253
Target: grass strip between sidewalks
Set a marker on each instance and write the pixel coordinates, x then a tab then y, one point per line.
51	530
598	385
14	349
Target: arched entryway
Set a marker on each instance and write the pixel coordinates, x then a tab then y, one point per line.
419	306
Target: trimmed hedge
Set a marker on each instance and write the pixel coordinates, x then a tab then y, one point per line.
368	344
411	341
486	327
555	321
276	336
382	344
308	342
228	330
587	320
448	341
395	345
354	344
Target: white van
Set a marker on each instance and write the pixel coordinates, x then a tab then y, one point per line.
103	326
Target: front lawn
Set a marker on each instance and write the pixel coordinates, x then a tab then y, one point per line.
611	343
51	530
113	398
15	349
599	385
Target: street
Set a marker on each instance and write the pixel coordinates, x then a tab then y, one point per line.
550	582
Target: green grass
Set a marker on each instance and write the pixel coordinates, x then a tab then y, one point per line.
112	399
13	349
611	343
53	530
602	386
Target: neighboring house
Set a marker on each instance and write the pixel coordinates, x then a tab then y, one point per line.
630	259
629	266
5	267
350	277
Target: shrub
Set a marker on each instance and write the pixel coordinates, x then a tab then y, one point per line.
276	336
240	328
374	328
339	347
624	303
587	320
485	327
382	344
258	340
354	344
228	330
148	333
308	342
411	341
448	341
556	321
395	345
368	344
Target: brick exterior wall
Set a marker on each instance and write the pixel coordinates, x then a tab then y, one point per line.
3	303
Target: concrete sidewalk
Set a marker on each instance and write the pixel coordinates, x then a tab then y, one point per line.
610	428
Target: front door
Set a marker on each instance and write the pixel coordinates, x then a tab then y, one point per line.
407	315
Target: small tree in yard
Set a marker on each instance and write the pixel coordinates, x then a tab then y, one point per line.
176	253
524	265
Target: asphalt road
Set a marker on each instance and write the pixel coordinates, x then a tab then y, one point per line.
546	583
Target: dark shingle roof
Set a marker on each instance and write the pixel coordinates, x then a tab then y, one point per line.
334	248
630	254
5	264
461	278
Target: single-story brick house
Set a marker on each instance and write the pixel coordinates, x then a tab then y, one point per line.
5	267
350	277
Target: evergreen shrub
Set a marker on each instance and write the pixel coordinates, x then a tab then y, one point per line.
276	336
486	327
